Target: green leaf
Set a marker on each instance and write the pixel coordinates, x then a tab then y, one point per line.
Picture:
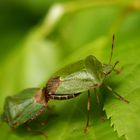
67	121
125	117
81	29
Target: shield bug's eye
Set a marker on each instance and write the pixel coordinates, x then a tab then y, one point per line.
107	68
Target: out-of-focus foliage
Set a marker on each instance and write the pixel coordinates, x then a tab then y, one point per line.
39	37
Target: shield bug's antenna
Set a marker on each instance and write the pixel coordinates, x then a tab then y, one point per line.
112	48
115	64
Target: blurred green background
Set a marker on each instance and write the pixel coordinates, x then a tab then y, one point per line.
38	37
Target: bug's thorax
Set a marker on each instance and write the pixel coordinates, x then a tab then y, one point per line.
107	69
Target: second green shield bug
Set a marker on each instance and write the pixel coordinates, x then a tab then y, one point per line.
24	107
84	75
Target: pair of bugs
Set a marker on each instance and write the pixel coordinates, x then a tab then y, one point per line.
67	83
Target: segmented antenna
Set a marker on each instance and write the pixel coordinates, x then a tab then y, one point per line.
112	48
115	64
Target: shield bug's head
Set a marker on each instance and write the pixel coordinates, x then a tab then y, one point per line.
108	68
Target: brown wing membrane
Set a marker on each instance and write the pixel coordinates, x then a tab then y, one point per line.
53	84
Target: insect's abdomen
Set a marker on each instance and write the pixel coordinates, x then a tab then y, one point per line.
63	97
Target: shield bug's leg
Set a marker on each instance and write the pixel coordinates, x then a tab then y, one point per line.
116	94
97	97
29	129
88	112
100	105
41	123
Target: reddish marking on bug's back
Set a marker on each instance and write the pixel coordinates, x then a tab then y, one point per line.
53	84
40	98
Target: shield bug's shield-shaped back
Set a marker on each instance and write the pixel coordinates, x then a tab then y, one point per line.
23	107
84	75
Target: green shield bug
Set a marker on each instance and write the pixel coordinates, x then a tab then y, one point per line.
24	107
67	83
84	75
